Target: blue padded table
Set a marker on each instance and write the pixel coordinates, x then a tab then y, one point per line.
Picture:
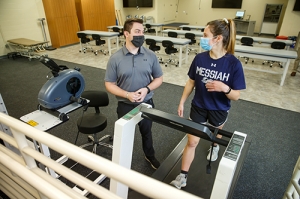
262	41
198	34
103	34
177	41
284	56
174	25
201	28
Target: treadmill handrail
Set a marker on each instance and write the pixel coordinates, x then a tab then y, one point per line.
182	124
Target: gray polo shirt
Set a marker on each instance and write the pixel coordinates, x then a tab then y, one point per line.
132	72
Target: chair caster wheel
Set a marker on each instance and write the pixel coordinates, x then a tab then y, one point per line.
111	138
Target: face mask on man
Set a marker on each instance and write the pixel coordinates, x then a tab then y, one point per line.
204	43
138	41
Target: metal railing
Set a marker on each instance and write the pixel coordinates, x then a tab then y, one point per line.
20	177
293	189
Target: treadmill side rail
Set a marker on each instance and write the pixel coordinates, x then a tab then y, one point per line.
227	166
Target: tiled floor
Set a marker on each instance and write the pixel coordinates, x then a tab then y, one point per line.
262	87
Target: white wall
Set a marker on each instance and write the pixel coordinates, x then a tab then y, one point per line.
134	11
199	12
291	21
19	19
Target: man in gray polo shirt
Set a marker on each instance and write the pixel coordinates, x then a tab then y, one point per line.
132	74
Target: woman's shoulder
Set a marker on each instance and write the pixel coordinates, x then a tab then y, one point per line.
232	58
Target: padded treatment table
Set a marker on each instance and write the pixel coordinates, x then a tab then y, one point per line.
175	25
27	47
201	28
181	43
284	56
105	35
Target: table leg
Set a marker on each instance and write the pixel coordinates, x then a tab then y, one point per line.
180	56
117	43
286	66
186	53
81	50
109	46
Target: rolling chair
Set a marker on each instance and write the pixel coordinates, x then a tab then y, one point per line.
99	42
153	47
169	49
247	41
276	45
191	36
186	28
172	34
96	122
84	42
149	28
120	31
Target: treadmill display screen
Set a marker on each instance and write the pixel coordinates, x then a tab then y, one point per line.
234	147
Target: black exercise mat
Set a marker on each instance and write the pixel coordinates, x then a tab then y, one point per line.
274	132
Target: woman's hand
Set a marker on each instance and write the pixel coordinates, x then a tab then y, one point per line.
216	86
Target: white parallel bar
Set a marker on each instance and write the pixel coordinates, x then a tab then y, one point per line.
58	184
69	174
12	184
40	184
13	155
8	191
133	179
20	181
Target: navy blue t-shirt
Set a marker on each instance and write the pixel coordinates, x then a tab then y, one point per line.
227	69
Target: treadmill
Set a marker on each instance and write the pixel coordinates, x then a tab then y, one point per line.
205	179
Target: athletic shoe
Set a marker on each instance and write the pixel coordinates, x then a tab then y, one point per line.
215	152
153	161
180	181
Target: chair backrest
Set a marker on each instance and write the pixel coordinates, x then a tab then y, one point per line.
278	45
150	42
96	37
81	35
116	29
186	28
97	98
190	36
148	25
172	34
247	41
167	43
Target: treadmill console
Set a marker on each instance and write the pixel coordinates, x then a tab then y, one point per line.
234	147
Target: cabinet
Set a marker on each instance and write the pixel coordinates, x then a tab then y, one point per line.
244	27
62	21
95	14
271	19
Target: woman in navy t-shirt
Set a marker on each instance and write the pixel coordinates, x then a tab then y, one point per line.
217	77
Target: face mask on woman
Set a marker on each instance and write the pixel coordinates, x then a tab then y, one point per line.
204	43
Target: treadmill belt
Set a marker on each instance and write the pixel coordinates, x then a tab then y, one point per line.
199	183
